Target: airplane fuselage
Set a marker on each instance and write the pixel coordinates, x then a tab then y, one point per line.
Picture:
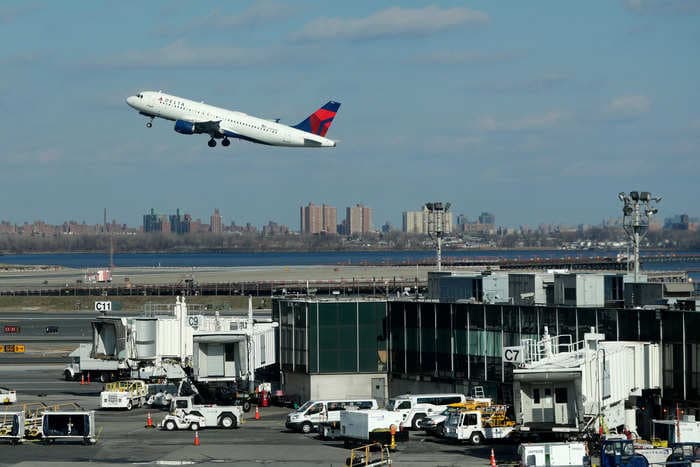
193	117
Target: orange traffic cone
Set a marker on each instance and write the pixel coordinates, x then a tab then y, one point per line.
257	413
88	380
196	438
82	378
149	421
493	459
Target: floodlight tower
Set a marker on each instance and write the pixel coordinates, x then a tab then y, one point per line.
437	212
636	214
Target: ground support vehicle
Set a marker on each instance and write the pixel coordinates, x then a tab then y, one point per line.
435	424
476	426
312	414
68	426
685	454
82	364
123	395
371	455
416	407
373	426
12	427
223	416
8	396
160	395
553	454
183	421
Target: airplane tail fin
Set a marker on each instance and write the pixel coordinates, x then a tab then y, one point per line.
320	121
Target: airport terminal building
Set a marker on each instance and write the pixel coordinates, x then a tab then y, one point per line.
454	342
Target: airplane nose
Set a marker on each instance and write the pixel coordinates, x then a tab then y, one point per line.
131	100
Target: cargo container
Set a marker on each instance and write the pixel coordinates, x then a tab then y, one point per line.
12	427
69	426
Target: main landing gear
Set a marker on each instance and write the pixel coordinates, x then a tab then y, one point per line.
224	142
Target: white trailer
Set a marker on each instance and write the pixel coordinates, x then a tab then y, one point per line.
8	396
12	427
124	395
552	454
224	416
362	426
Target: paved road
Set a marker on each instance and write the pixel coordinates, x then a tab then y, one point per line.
125	441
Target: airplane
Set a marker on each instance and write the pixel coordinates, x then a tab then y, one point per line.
192	117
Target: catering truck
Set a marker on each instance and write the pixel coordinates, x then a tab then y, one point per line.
212	415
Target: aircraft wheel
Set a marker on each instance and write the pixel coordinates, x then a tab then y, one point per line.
149	124
212	143
225	142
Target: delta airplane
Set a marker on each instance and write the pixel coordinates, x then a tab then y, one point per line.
192	117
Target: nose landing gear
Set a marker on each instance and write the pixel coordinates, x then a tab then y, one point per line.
149	123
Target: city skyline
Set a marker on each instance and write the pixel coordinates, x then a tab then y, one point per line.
538	113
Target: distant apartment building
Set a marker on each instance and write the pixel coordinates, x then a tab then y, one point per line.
417	222
180	224
487	218
152	222
412	222
316	219
215	224
358	220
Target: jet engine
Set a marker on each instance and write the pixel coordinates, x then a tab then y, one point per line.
186	128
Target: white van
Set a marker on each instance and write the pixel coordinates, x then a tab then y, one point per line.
308	417
416	407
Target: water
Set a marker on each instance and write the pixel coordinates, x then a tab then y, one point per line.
229	259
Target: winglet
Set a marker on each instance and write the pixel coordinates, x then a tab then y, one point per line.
320	121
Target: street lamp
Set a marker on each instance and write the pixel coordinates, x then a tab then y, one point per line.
637	211
437	213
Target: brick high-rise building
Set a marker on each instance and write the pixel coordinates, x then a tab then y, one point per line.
316	219
330	219
215	224
358	219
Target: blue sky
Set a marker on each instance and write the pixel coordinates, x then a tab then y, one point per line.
536	111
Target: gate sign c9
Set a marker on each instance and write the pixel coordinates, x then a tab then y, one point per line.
513	354
103	306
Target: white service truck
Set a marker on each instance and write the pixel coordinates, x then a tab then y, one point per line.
212	415
370	426
476	426
124	395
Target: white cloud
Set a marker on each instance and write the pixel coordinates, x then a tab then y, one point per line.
628	106
459	57
528	123
392	22
180	54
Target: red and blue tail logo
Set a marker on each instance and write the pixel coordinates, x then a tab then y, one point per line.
320	121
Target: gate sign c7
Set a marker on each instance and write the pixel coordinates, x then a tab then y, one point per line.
513	354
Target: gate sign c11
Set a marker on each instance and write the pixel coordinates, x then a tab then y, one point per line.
103	306
513	354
